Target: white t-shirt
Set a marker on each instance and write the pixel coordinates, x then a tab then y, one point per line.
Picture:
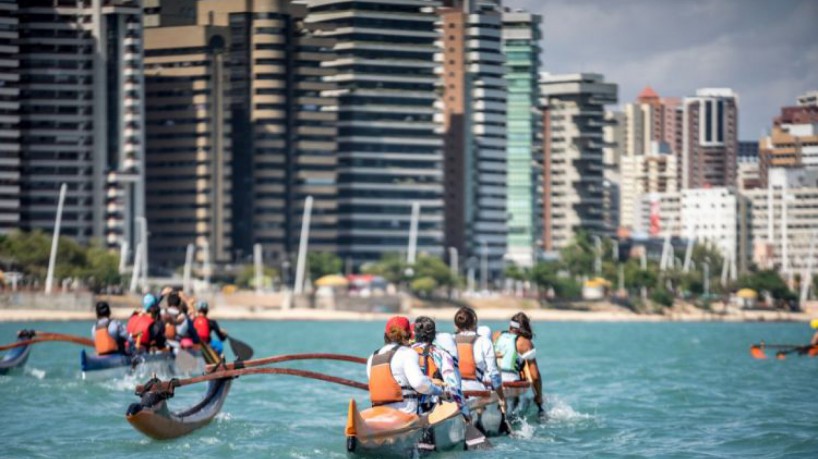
406	371
486	361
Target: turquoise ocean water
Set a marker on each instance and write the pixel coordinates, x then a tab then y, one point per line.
615	390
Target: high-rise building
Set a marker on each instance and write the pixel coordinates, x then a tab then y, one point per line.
9	118
747	172
653	172
710	139
473	115
573	120
521	46
793	140
188	151
389	151
785	220
718	216
264	112
652	119
283	125
81	117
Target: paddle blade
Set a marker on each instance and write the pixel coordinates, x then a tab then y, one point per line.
757	352
475	440
240	349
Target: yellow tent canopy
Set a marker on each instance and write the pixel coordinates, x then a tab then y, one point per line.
747	293
332	280
597	282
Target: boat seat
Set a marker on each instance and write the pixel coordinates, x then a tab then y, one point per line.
386	418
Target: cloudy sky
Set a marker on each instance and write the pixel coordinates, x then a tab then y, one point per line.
766	50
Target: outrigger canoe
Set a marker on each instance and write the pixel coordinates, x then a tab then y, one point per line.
98	367
486	409
152	417
384	431
15	358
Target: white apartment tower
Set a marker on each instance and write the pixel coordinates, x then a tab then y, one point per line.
574	117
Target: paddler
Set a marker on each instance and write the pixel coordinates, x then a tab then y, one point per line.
437	364
517	357
475	355
148	331
814	324
109	335
204	326
395	377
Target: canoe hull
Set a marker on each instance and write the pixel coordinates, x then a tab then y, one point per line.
159	423
486	410
383	431
15	359
101	367
449	434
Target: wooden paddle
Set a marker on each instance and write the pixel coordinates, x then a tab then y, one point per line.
45	337
289	357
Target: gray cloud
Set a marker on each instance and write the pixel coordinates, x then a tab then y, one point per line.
766	50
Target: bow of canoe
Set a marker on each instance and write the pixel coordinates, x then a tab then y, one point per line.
152	417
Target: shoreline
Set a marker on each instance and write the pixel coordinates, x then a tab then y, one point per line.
493	314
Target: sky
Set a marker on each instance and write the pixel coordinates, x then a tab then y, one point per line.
765	50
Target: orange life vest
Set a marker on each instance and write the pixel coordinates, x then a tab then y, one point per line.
427	362
465	356
170	330
383	387
104	343
202	326
142	332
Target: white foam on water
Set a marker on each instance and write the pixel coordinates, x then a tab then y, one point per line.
524	430
210	441
560	411
126	383
37	373
224	417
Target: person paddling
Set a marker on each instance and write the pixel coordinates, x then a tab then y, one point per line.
436	363
148	332
475	355
395	377
204	326
517	357
109	335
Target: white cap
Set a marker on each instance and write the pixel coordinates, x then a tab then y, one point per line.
484	330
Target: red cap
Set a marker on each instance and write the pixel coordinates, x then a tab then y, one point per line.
399	322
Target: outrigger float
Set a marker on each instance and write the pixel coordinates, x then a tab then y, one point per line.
17	356
152	417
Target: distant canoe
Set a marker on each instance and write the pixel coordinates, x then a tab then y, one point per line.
15	358
153	418
99	367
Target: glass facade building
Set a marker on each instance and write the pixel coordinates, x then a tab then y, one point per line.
521	46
